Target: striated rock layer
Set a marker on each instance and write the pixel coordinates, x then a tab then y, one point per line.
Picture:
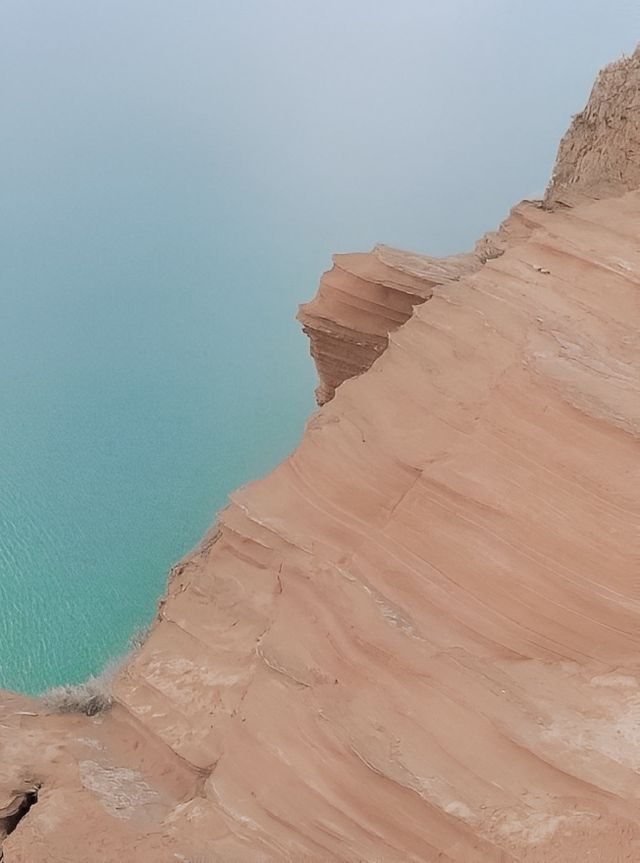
362	299
366	296
418	638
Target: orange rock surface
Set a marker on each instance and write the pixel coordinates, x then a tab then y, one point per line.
418	638
362	299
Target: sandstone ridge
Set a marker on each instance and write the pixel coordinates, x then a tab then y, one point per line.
417	639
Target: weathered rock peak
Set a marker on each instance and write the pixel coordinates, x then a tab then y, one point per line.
599	156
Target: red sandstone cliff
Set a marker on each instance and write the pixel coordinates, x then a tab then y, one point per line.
418	638
362	299
367	296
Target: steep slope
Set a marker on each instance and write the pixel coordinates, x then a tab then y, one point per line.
418	638
419	635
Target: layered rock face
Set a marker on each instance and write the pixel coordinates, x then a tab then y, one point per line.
418	639
367	296
362	299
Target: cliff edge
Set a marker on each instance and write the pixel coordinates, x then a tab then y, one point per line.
417	639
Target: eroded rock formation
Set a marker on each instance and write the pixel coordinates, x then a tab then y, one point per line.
418	638
363	298
600	154
367	296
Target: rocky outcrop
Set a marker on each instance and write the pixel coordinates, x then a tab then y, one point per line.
362	299
417	639
600	154
367	296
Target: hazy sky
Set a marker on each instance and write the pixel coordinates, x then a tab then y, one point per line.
416	122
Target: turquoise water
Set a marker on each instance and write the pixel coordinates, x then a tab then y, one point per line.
175	177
